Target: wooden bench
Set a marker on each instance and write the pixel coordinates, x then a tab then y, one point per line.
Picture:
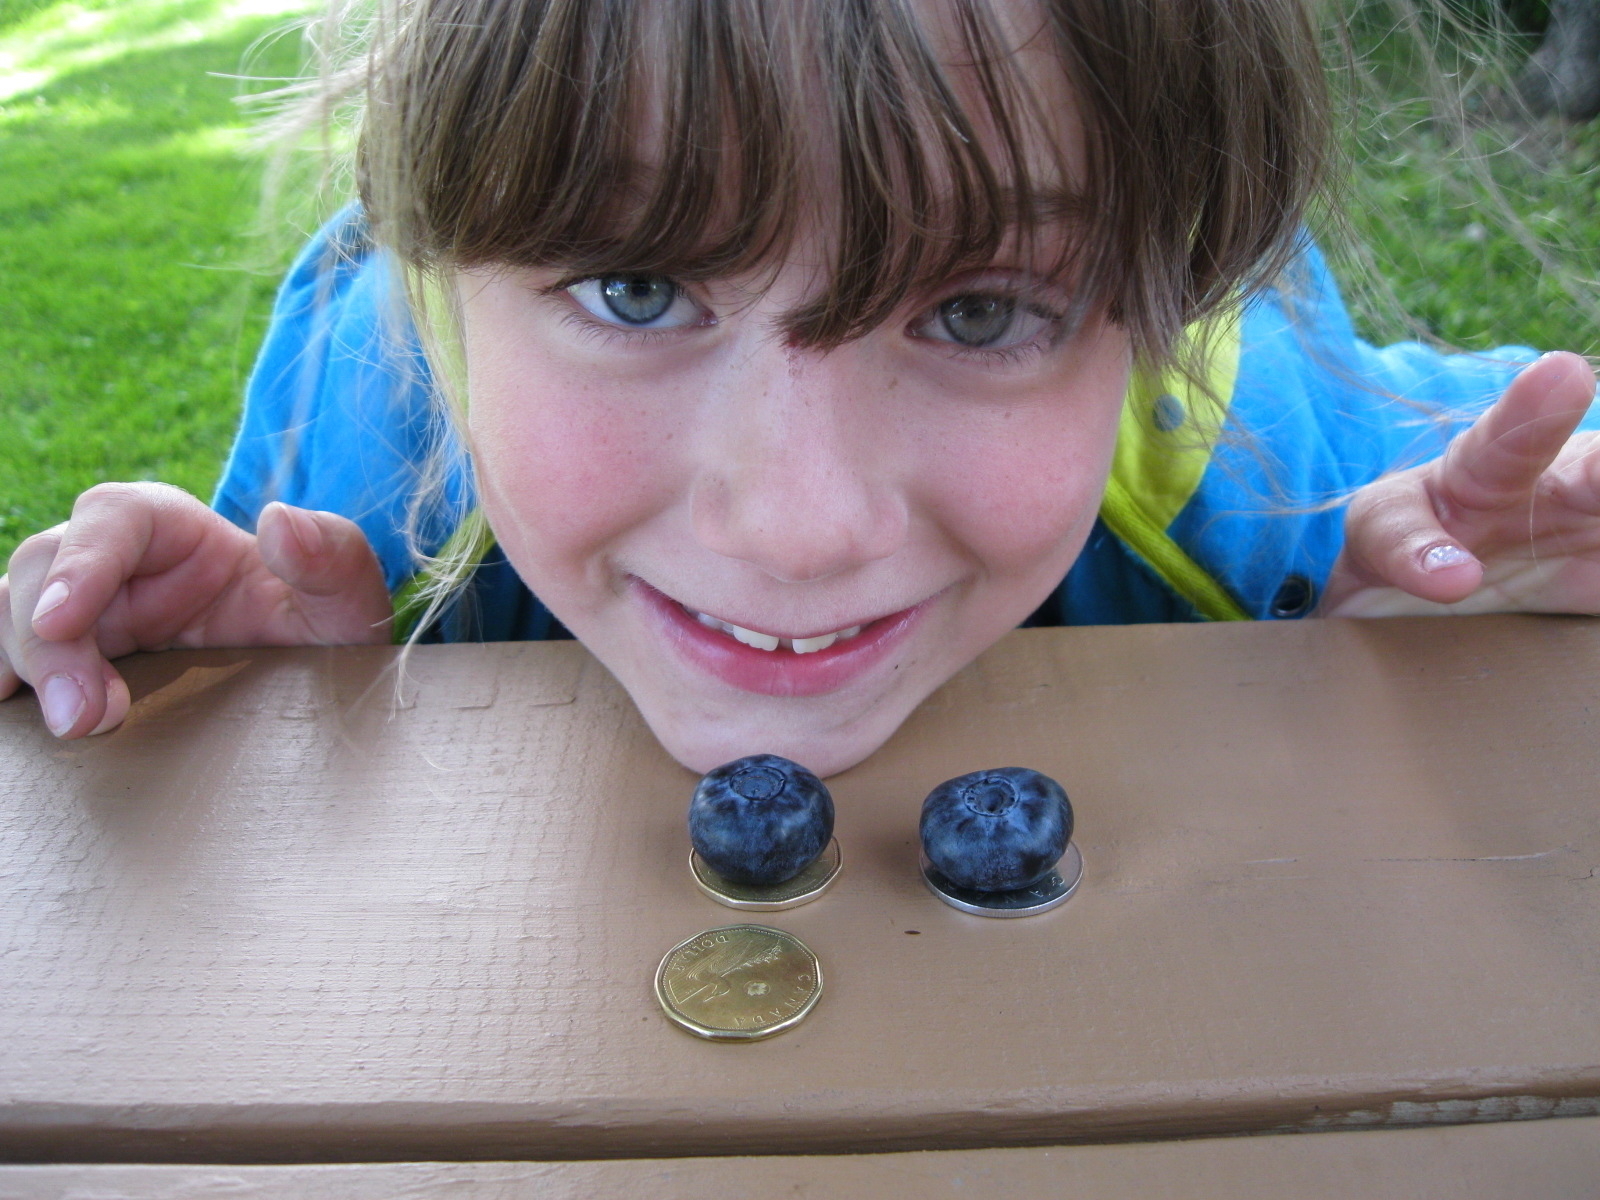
1339	876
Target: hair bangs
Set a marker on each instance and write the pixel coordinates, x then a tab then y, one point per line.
902	141
691	138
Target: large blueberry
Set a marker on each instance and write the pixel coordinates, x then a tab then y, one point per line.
760	820
994	831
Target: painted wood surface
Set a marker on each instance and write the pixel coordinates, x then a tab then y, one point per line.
1339	874
1530	1160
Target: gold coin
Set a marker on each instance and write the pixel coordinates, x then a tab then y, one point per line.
791	893
739	983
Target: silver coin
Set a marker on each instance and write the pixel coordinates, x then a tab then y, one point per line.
802	889
1054	890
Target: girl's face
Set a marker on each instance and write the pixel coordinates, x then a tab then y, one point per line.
779	549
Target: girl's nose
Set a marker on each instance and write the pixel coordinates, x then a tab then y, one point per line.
793	476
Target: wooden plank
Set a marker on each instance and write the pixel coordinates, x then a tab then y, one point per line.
1339	874
1531	1160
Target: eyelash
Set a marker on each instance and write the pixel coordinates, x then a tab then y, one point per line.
1005	356
608	334
577	319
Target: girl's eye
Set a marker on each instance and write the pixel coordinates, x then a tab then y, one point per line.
977	320
987	321
637	301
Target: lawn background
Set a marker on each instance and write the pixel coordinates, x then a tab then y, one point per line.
135	277
134	282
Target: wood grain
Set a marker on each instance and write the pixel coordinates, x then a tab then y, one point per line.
1531	1160
1339	874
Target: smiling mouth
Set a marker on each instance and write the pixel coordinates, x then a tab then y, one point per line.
772	642
796	664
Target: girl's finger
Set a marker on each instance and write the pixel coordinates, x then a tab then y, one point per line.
1394	538
10	681
67	676
328	561
117	531
1497	463
1573	480
118	701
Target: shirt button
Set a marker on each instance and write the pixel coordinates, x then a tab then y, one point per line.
1294	597
1168	413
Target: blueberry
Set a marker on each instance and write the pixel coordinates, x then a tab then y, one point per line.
995	831
760	820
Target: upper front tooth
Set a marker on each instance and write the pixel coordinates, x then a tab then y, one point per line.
767	641
811	645
761	641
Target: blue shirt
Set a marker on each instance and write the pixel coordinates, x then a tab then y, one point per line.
338	416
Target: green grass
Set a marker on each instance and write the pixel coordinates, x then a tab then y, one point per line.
1469	230
128	317
1475	271
133	296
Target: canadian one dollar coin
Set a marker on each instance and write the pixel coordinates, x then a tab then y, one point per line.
791	893
739	983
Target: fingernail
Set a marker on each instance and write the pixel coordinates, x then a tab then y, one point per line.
307	532
1448	555
52	598
62	700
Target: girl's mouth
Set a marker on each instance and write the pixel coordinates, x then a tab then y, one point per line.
775	664
773	642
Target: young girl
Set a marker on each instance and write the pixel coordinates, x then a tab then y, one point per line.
790	353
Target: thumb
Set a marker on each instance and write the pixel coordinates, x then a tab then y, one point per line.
330	565
1394	538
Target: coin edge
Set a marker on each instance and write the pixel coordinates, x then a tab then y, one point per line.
1070	890
766	905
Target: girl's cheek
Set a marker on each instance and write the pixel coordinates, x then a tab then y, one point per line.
565	461
1025	487
1035	483
565	469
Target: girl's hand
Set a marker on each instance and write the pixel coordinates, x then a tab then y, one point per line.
1507	521
144	566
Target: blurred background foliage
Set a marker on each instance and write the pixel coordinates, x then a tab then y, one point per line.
136	275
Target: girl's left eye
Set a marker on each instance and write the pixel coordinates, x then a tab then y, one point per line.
635	301
987	321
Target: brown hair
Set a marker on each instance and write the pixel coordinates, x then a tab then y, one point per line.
684	137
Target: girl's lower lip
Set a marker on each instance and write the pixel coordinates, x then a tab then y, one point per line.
774	672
